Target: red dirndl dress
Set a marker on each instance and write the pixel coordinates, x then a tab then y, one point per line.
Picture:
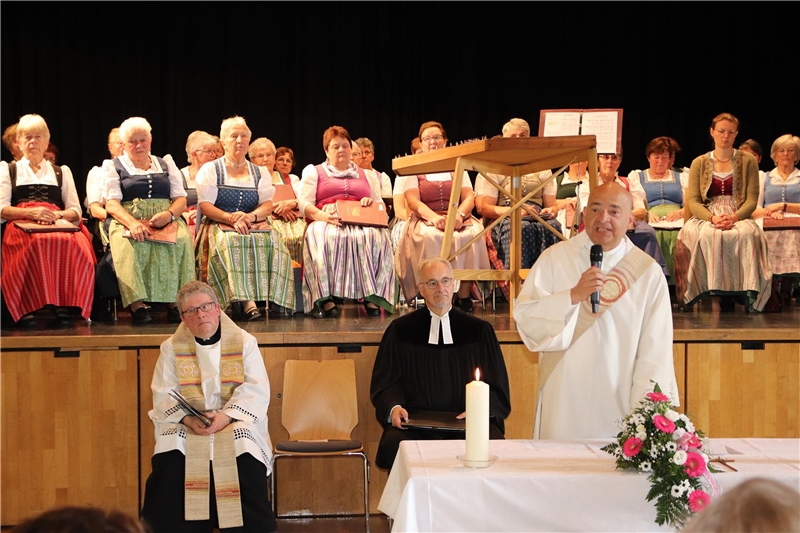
47	268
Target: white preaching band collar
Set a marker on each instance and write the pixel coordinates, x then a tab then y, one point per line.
433	336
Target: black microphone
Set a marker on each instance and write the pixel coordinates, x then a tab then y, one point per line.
596	257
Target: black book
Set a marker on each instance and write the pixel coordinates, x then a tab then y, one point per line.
188	409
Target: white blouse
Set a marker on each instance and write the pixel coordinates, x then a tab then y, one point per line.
46	175
112	187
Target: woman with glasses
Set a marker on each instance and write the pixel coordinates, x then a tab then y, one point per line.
779	199
663	188
143	192
43	269
720	250
200	149
285	218
342	261
242	266
427	197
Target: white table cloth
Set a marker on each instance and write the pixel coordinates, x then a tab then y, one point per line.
540	485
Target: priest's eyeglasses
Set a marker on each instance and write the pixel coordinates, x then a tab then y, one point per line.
192	311
444	282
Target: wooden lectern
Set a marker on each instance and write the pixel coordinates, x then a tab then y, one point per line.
513	157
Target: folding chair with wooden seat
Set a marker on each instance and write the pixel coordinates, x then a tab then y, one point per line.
319	411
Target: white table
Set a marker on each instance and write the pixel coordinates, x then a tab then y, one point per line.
539	485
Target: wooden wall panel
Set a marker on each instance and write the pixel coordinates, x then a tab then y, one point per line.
733	392
69	431
147	440
679	359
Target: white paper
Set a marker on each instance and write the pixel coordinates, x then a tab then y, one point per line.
559	124
663	224
603	125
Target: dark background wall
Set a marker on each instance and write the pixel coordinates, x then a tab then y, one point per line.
381	69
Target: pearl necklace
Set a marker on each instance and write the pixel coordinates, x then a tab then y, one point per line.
235	165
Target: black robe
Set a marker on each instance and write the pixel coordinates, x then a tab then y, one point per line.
414	374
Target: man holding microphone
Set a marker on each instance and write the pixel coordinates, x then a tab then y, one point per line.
595	366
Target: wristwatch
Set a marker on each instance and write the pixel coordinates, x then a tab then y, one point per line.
172	215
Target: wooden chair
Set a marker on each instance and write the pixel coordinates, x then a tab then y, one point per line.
320	410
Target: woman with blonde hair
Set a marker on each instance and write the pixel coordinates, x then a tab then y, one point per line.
243	266
779	199
144	191
200	149
721	251
43	269
285	218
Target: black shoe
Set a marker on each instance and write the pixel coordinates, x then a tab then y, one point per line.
26	322
466	305
62	317
278	311
727	304
330	309
252	314
141	316
173	315
372	311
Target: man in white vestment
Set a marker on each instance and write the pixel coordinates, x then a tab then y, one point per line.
595	367
209	476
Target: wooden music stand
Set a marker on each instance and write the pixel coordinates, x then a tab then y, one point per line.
513	157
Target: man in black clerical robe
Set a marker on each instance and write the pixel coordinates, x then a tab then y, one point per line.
426	359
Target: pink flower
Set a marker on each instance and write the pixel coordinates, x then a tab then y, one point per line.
693	442
657	397
664	424
695	465
698	500
631	446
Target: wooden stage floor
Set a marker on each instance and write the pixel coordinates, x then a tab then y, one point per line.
705	323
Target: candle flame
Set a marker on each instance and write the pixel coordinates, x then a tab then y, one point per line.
477	374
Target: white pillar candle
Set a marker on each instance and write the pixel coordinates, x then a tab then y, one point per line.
477	431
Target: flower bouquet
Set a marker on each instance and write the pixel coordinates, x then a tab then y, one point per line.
659	441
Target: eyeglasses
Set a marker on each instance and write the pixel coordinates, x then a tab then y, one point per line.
192	311
727	132
432	138
613	157
444	282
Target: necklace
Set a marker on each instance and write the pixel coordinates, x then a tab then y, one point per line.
722	160
656	176
235	165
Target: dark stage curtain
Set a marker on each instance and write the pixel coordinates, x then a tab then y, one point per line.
381	69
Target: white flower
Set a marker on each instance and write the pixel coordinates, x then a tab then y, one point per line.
687	423
671	415
637	419
645	466
654	451
642	436
679	458
671	446
676	491
685	484
640	428
678	433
